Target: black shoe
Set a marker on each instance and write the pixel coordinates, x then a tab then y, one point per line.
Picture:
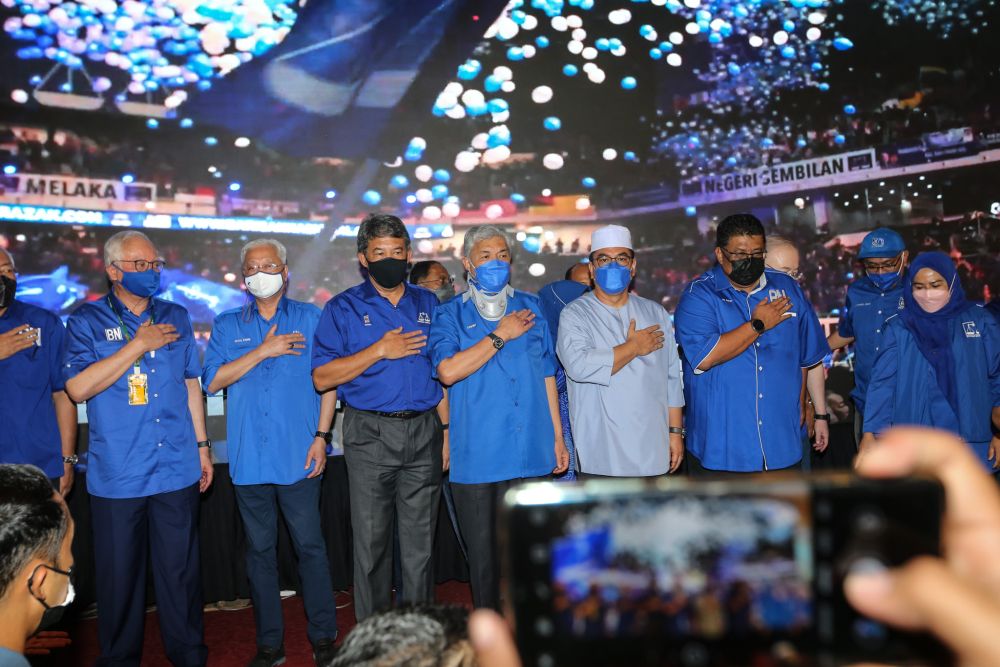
268	657
324	651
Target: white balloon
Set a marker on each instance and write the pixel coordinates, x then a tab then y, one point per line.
473	98
507	86
780	37
812	34
451	209
579	34
692	28
537	269
423	173
496	155
541	95
479	141
620	16
589	66
619	51
426	246
553	161
432	213
529	22
559	23
501	117
419	143
575	47
503	73
466	161
756	41
424	195
583	203
456	112
609	154
816	18
574	21
596	75
506	28
674	59
453	89
676	38
528	51
494	211
19	96
589	53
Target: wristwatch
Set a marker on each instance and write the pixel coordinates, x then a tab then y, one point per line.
758	325
205	444
498	342
679	431
72	459
326	435
825	417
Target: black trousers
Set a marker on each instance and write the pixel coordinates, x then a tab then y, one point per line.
476	508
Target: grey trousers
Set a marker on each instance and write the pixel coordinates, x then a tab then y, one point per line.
394	471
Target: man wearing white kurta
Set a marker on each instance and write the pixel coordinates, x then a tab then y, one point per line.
623	370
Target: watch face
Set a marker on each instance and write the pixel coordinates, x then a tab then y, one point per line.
498	342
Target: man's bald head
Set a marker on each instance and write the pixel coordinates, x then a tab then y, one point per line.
782	256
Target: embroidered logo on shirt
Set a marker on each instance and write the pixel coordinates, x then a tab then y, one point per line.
423	318
367	320
970	330
113	334
902	304
240	341
470	326
775	294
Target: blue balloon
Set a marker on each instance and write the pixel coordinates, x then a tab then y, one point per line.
515	53
497	106
731	161
439	191
517	16
690	211
211	141
734	69
541	41
788	52
839	139
570	70
824	87
801	142
629	83
152	123
466	73
476	110
715	38
615	43
588	182
552	123
517	198
492	84
850	109
412	155
602	44
666	46
186	123
655	53
646	30
817	67
399	182
766	142
789	26
442	175
532	244
843	44
372	198
629	155
498	137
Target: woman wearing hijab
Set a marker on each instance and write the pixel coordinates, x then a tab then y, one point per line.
939	362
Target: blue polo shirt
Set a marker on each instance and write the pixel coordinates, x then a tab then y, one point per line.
137	450
30	432
743	415
905	390
272	412
865	312
501	427
358	318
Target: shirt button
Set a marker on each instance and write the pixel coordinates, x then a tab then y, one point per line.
156	395
878	331
157	421
159	444
757	344
760	395
880	312
152	370
760	368
760	423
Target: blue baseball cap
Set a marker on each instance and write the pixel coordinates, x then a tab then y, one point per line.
883	242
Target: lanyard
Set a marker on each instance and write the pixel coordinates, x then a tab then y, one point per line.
128	338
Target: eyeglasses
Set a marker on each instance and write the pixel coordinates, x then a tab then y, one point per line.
794	274
144	264
8	271
623	259
879	267
270	268
437	283
740	256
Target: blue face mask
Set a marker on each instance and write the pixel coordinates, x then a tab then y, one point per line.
493	276
884	281
613	278
143	284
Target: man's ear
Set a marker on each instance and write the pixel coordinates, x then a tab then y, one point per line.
363	259
36	575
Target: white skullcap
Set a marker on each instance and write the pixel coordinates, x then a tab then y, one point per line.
611	236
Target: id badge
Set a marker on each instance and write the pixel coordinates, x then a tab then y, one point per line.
138	393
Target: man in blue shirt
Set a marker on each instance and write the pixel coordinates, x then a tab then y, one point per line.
871	300
746	334
133	359
39	420
491	347
276	429
370	345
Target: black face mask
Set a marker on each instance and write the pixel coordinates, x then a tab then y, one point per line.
8	287
747	271
388	272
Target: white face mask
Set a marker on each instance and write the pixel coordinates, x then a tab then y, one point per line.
263	285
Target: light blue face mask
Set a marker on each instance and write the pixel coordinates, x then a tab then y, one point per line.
884	281
613	278
493	276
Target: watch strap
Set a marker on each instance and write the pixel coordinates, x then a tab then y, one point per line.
205	444
825	417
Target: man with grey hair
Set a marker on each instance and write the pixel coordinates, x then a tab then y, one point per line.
275	423
370	344
491	347
133	359
39	420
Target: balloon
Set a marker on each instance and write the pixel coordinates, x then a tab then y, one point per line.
628	83
494	211
553	161
843	44
424	195
442	175
582	203
439	191
479	141
19	96
588	182
496	155
497	106
466	161
552	123
541	94
690	211
432	213
399	182
451	210
609	154
849	109
570	70
372	198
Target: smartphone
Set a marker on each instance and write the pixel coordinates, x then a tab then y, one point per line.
697	573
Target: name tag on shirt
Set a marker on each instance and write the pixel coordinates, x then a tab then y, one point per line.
138	389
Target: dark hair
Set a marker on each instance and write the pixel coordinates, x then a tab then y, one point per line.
381	225
420	270
32	523
740	224
569	271
415	636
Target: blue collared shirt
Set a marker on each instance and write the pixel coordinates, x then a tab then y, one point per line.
905	390
743	414
863	319
358	318
501	427
272	412
30	432
137	450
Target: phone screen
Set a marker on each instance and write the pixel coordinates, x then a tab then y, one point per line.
684	566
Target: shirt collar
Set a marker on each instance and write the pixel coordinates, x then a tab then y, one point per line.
122	310
282	305
371	295
13	309
722	280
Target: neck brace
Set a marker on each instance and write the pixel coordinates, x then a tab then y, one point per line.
491	306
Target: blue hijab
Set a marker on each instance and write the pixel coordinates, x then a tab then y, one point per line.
933	331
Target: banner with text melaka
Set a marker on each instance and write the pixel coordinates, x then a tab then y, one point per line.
778	178
58	187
